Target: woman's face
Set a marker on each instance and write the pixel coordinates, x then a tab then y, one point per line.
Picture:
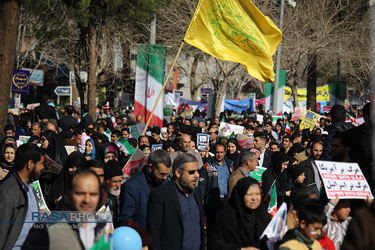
44	142
170	150
284	166
110	156
231	148
202	153
165	137
29	124
9	154
252	197
89	147
301	178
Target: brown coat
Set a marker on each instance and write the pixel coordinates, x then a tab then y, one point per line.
234	178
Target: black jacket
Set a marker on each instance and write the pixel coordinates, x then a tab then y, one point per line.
164	217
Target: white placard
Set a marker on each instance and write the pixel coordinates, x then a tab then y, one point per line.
226	129
344	179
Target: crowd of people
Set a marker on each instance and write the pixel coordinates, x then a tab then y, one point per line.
182	196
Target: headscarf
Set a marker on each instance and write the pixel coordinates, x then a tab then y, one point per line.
55	149
277	159
4	163
93	151
251	222
235	156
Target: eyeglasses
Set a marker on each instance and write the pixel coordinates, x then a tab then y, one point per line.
191	172
162	174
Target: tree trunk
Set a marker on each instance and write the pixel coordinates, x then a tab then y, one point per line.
92	71
220	96
193	87
294	88
9	20
311	82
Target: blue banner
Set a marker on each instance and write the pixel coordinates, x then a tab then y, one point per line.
239	105
20	82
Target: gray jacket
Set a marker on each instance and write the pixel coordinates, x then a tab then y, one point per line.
13	208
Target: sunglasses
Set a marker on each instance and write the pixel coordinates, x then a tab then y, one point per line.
191	172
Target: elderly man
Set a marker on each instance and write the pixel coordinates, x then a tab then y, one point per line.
184	145
175	217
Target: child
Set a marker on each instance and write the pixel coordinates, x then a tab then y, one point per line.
337	212
311	221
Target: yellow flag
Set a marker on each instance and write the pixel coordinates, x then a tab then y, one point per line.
236	30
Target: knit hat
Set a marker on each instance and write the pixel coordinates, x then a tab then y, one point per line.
295	171
84	138
112	168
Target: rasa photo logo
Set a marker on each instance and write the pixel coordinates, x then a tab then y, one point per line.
71	217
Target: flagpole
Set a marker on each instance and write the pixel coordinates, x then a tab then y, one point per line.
162	89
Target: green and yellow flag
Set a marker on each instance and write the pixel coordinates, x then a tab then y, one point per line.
236	30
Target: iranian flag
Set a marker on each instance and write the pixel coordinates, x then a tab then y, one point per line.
271	200
125	146
149	79
287	128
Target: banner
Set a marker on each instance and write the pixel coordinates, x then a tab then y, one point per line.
309	120
149	82
41	202
322	93
226	129
172	81
20	82
133	163
236	31
344	179
36	76
137	130
239	106
204	94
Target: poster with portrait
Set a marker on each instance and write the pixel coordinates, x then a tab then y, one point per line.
203	141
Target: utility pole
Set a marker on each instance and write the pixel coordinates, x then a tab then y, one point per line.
278	100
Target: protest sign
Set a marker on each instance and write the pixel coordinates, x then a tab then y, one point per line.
344	179
133	163
20	82
242	139
51	166
226	129
156	147
124	146
32	106
41	202
257	174
24	139
137	130
309	120
239	105
203	141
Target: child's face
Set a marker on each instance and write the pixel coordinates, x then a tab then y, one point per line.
311	231
342	211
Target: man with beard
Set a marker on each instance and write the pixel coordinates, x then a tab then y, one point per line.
174	211
340	147
18	197
312	176
134	193
112	185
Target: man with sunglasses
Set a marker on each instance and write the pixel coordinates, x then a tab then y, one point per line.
175	217
134	193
